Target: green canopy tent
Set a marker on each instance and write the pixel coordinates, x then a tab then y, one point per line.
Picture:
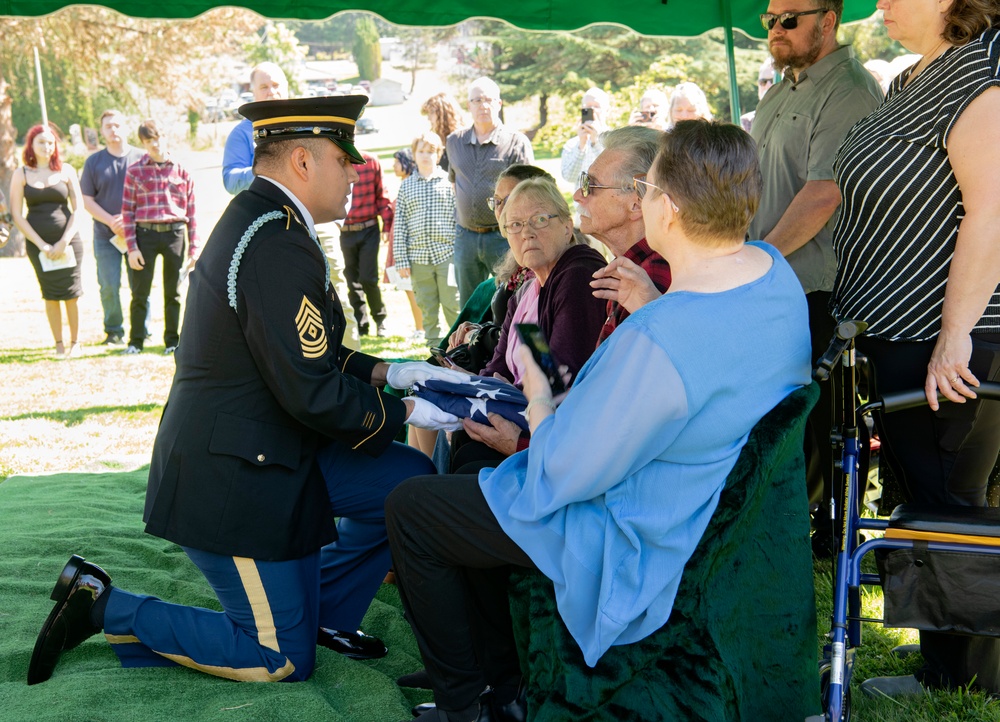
677	18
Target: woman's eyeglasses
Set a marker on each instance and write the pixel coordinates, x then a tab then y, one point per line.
496	202
537	222
789	21
642	185
588	186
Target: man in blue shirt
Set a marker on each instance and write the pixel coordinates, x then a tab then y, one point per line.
102	182
267	82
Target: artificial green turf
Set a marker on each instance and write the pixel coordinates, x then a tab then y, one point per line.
43	520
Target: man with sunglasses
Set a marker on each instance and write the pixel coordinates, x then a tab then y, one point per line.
799	126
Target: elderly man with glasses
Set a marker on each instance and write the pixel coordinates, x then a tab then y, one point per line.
799	126
476	155
610	202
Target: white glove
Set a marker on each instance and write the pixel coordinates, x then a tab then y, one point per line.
404	375
426	415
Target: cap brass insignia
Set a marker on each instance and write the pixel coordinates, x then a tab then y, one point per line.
312	334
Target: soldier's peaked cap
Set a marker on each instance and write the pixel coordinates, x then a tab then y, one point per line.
332	117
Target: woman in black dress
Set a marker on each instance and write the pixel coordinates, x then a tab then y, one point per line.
51	192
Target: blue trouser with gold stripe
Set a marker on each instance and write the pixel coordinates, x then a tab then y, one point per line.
273	610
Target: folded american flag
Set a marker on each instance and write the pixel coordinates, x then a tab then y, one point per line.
475	398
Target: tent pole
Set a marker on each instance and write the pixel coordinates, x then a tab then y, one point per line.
734	88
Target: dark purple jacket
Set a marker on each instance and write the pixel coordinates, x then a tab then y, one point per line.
568	314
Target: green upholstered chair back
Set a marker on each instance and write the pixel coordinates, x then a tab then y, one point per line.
740	643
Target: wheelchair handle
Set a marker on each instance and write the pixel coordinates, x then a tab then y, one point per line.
916	397
846	332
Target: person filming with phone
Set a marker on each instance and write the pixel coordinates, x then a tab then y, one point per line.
579	152
621	480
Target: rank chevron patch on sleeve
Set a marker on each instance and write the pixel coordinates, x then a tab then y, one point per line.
312	334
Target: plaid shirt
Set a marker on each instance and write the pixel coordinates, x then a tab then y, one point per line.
158	193
424	227
368	196
659	273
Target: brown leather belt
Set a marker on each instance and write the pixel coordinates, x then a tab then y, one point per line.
481	229
162	227
359	226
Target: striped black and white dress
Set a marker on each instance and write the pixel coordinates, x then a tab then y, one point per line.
901	204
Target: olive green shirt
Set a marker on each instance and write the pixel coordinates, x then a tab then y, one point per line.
799	127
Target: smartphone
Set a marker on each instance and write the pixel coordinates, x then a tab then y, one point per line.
586	114
647	115
442	358
532	337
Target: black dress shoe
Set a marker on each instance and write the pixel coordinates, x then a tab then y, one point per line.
356	645
418	680
362	329
514	711
69	623
429	712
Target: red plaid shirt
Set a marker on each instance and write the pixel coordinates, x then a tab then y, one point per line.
659	273
368	197
158	193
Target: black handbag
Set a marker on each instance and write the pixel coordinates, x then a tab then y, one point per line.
474	355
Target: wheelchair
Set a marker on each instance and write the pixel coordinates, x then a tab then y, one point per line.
924	533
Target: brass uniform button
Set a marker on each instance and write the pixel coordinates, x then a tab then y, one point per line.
260	458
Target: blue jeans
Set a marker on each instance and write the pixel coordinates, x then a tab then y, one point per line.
475	256
109	278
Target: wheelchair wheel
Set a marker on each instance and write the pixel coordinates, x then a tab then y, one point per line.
824	688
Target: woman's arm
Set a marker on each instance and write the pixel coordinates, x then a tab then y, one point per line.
75	204
17	183
974	152
623	413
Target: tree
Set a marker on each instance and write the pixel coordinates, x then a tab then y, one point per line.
277	44
367	51
420	46
93	58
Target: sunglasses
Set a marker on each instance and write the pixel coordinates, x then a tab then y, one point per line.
496	202
789	21
588	186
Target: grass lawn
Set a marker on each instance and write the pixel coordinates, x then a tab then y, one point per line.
99	412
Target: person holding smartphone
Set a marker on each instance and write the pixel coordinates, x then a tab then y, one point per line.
579	152
621	480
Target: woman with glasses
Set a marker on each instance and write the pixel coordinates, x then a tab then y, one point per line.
620	482
916	247
555	295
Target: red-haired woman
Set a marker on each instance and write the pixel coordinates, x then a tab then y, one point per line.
51	192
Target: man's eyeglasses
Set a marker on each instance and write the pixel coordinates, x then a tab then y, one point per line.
537	222
789	21
588	186
642	185
496	202
482	100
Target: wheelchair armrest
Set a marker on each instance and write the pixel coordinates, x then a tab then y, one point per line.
960	520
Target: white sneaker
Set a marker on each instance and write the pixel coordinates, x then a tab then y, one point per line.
418	335
132	350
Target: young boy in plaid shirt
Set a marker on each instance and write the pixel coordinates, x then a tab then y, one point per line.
424	236
157	209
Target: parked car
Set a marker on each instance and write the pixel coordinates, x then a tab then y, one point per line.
366	125
246	98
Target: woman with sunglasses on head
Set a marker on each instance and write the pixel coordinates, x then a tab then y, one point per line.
617	487
916	247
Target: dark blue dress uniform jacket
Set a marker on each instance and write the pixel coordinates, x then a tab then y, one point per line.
257	391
